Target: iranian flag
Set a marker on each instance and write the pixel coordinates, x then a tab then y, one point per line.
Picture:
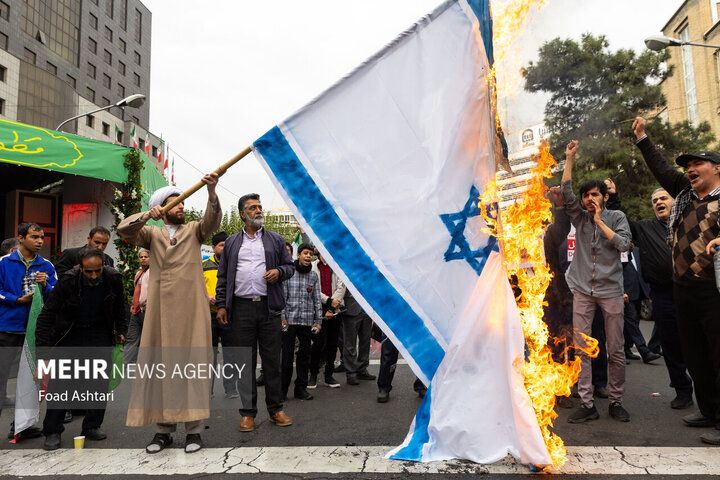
172	172
134	136
160	151
147	143
28	391
117	135
167	149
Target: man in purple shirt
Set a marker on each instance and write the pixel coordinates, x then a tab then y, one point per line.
249	294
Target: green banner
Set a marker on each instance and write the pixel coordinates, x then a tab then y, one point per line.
37	147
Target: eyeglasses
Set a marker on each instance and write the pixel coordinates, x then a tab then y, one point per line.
253	208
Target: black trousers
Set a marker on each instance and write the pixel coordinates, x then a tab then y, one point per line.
10	350
667	327
324	346
85	343
631	330
697	311
302	362
388	364
252	326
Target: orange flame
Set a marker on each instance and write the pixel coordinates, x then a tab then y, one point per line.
520	231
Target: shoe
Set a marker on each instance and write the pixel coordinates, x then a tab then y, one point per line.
698	420
712	437
280	419
340	369
68	416
260	380
52	441
303	395
232	395
584	414
32	432
383	397
629	355
421	393
159	442
331	382
564	402
94	434
365	375
247	424
617	412
193	443
601	392
312	383
681	402
649	357
353	380
658	351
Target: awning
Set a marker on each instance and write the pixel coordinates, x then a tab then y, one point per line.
36	147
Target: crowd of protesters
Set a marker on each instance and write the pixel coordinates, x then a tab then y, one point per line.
300	319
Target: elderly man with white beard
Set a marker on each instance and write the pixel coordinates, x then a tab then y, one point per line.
250	297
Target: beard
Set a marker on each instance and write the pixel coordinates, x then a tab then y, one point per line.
177	218
93	282
256	222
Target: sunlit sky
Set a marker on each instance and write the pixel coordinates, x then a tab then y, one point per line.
224	72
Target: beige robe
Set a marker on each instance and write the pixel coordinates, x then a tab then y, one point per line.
176	332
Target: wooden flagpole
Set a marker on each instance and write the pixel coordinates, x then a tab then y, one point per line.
220	170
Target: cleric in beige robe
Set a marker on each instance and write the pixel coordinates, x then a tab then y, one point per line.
176	337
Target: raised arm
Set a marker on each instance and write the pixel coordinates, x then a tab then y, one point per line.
572	204
668	177
213	214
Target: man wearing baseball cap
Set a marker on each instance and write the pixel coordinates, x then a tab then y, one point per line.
693	231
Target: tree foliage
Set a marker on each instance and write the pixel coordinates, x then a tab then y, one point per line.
232	223
594	95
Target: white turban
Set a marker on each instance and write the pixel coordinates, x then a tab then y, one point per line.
162	194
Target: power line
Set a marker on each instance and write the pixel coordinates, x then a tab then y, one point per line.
200	171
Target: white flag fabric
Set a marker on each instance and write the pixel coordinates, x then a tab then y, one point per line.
383	171
27	391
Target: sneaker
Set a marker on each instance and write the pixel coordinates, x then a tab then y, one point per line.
365	375
698	420
95	434
340	369
52	441
312	383
681	402
601	392
617	412
193	443
629	355
383	397
712	437
331	382
650	356
584	414
352	380
303	395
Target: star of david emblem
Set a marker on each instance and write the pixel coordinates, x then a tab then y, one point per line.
459	248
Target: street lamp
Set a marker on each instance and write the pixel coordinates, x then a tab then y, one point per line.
661	42
135	101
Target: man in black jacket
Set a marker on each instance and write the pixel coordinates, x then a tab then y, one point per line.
252	268
85	309
99	237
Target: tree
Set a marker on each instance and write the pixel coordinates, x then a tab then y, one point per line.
594	95
232	223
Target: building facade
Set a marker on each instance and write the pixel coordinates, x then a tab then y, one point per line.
512	186
693	91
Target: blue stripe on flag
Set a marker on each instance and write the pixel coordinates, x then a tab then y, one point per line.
407	326
482	12
413	451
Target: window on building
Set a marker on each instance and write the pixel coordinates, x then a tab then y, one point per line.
109	8
105	102
138	59
107	81
105	129
138	26
119	137
29	56
137	79
123	45
2	106
141	144
154	151
714	8
90	121
3	73
90	94
92	45
91	70
3	41
71	81
108	34
123	14
4	10
93	22
121	68
107	57
51	68
120	91
689	77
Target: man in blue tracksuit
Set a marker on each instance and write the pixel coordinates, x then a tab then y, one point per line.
20	271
